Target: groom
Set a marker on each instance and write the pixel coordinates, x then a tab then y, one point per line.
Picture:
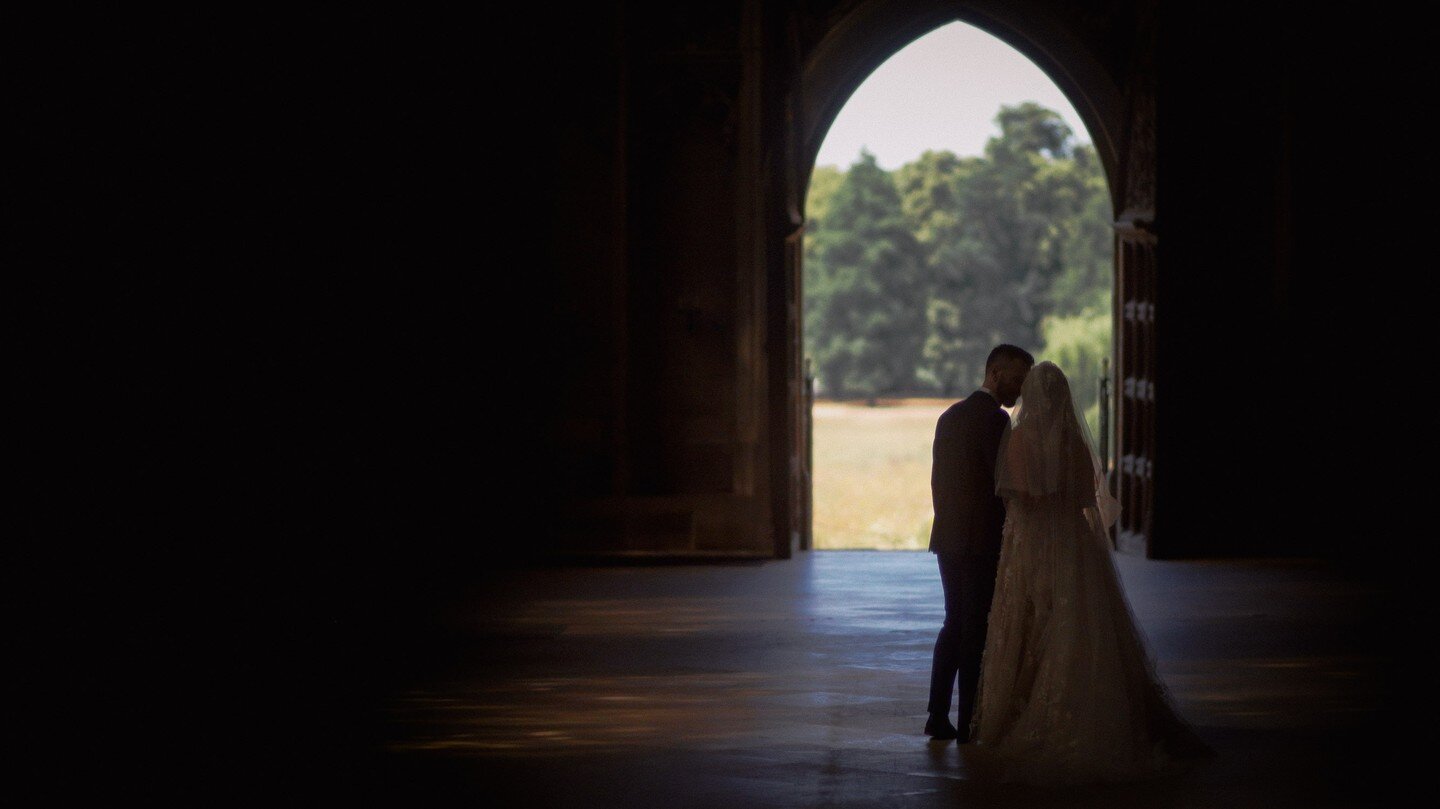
966	534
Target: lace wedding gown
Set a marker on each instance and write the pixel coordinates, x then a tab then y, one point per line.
1067	693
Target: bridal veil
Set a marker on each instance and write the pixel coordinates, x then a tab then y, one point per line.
1067	691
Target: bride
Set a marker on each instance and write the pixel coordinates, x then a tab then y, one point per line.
1067	692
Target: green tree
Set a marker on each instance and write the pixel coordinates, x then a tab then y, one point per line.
1078	343
1019	204
930	190
823	182
1027	237
1085	240
863	297
1012	246
986	227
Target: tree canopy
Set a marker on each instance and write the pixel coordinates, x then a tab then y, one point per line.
912	276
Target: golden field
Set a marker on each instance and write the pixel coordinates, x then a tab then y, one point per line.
872	473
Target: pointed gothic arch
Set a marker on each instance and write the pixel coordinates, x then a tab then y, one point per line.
1122	128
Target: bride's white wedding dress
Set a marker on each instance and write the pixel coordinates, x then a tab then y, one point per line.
1067	693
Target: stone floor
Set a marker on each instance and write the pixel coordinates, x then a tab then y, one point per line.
803	683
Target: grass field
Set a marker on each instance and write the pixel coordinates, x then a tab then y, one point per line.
872	473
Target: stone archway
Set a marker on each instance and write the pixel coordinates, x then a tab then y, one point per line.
1115	98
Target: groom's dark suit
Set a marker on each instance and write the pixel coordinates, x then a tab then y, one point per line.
966	539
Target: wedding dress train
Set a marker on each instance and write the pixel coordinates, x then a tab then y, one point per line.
1067	693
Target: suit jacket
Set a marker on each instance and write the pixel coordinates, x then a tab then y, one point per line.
968	514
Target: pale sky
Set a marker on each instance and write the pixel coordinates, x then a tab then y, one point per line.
939	92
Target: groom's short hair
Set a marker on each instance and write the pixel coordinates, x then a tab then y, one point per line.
1006	352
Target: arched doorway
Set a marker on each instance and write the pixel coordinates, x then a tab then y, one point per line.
1122	129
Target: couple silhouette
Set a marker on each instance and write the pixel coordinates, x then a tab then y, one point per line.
1054	681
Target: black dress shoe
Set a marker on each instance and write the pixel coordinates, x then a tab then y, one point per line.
940	728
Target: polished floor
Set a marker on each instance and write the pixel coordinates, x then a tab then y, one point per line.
803	683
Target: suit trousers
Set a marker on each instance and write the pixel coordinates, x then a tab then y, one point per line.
969	584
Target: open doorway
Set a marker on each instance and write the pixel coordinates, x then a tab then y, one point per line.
956	202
